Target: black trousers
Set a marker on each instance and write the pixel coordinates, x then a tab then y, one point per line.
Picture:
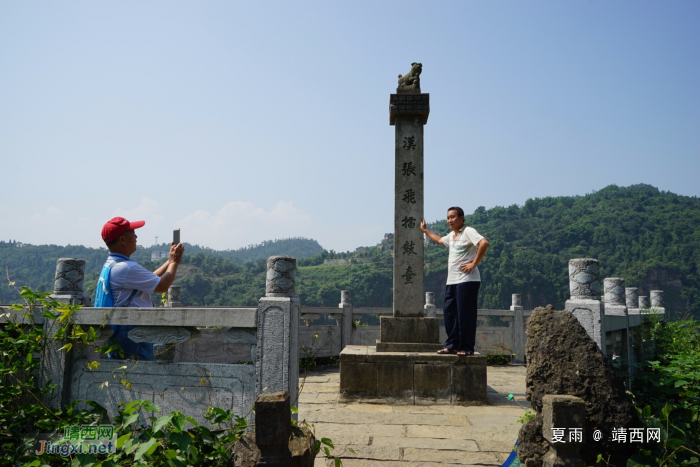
460	315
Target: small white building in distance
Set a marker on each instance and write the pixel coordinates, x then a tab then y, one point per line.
156	255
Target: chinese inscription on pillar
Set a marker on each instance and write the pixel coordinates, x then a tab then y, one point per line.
408	113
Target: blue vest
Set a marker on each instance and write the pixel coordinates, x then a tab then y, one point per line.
104	299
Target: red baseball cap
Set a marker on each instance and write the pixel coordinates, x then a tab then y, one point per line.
115	228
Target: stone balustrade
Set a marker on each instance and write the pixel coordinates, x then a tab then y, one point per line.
276	333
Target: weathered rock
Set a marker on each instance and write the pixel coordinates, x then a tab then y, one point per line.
302	446
532	446
563	359
245	452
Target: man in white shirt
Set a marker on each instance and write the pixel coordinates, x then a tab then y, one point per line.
467	249
130	283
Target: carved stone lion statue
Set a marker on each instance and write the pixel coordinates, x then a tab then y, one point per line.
412	78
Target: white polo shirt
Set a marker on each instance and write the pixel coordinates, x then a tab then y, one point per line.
127	276
462	250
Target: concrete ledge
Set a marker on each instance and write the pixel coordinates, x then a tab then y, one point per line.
354	353
402	378
358	378
406	347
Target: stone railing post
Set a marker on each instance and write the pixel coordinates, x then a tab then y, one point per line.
563	425
585	304
273	429
632	302
55	365
277	348
430	308
643	302
174	296
657	299
616	309
68	283
518	329
346	320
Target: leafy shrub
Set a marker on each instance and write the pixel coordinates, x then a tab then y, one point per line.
667	393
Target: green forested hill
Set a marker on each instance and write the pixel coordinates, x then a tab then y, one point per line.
649	237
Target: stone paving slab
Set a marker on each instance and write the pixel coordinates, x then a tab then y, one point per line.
416	436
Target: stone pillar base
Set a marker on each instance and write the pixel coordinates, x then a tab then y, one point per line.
410	330
421	378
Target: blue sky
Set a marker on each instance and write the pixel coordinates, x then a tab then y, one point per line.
245	121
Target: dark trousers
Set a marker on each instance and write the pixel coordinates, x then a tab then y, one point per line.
460	315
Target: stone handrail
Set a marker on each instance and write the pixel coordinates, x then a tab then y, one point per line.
239	317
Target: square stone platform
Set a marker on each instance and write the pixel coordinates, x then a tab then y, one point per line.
411	378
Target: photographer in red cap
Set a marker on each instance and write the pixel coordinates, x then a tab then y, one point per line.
125	283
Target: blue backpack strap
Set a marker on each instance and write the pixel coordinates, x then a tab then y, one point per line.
103	296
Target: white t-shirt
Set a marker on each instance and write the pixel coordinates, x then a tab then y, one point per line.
462	250
127	276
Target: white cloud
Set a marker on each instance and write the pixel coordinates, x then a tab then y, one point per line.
241	223
147	210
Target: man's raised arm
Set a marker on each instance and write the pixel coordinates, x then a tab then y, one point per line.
168	270
431	235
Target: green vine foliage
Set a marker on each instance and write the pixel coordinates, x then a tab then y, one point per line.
667	394
145	438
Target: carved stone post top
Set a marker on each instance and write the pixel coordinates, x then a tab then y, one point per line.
408	100
584	278
410	82
643	301
516	300
272	419
174	296
280	279
70	274
657	298
614	290
631	297
344	297
430	298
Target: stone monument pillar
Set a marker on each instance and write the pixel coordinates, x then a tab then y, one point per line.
277	348
585	304
403	368
408	329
